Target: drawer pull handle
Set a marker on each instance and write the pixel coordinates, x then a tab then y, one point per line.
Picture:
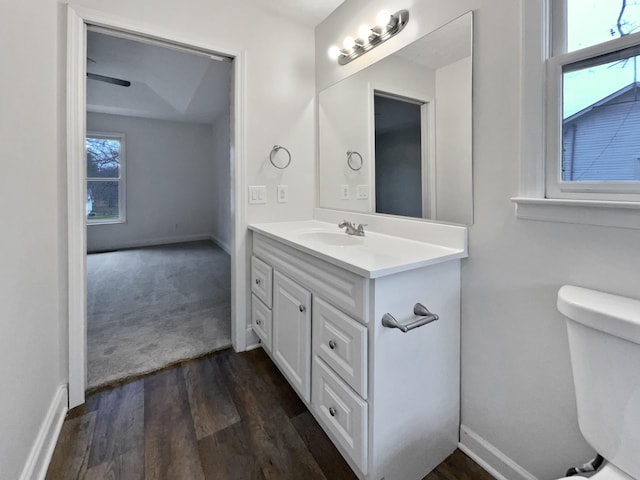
258	322
332	345
302	308
332	412
258	281
419	310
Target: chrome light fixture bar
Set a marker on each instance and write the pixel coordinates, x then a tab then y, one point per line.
387	26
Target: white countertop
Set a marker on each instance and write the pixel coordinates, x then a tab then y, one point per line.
374	255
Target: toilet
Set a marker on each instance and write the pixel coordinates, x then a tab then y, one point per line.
604	342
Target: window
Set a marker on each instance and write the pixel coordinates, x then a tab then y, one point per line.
105	178
593	100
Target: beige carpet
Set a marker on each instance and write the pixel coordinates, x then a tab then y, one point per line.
150	307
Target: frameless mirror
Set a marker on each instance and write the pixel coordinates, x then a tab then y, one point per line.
395	138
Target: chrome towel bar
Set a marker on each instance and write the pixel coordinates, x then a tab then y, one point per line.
422	312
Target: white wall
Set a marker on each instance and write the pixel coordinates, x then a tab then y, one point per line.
221	185
169	182
453	142
517	390
279	108
31	323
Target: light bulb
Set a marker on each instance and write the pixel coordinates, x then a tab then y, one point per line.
383	19
364	32
334	52
348	43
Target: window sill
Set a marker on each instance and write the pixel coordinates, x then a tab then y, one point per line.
112	222
583	212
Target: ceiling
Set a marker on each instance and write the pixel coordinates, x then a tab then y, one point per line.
166	84
306	12
173	84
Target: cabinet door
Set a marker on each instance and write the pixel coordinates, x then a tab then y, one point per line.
292	332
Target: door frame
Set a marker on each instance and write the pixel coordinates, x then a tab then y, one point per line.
78	18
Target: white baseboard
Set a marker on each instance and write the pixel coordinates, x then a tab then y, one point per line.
253	341
42	450
151	242
253	347
224	246
490	458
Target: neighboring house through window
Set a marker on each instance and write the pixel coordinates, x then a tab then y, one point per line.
105	178
600	143
593	100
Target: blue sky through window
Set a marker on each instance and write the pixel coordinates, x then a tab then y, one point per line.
591	22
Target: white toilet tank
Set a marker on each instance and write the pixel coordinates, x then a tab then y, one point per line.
604	341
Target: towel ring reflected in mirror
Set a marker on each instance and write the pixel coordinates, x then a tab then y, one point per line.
274	151
350	155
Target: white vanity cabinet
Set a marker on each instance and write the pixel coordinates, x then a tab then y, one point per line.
388	400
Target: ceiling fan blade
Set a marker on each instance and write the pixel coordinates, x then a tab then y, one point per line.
112	80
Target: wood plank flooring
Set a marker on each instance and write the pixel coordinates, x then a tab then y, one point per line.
227	416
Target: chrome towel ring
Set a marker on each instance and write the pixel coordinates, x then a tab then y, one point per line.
274	151
350	155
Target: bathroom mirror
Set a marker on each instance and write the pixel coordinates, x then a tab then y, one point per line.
395	138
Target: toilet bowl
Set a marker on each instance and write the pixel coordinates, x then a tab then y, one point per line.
607	472
604	343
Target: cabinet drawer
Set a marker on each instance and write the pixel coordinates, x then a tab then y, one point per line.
342	413
261	280
346	290
342	343
261	321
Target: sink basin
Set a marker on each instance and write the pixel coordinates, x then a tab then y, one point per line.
339	239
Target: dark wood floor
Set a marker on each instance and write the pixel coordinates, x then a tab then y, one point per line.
227	416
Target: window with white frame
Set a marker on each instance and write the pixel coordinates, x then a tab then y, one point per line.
593	100
105	178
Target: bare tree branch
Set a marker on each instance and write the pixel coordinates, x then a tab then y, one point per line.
619	23
103	155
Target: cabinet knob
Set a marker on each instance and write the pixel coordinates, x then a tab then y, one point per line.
258	322
332	344
258	281
332	412
302	308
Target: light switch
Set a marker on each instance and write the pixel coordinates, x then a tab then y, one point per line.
283	193
257	194
362	192
344	192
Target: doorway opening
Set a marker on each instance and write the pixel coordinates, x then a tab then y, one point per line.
158	266
110	203
401	156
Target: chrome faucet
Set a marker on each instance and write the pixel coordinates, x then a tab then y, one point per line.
351	229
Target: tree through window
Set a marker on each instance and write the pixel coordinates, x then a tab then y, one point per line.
105	175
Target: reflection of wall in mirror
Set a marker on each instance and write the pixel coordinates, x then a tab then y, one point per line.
343	112
346	123
453	142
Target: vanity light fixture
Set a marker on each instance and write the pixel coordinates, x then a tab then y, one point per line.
387	26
